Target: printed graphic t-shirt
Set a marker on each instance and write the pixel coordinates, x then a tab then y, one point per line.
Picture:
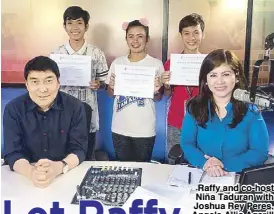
99	70
134	116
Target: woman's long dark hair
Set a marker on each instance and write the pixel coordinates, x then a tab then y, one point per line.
198	106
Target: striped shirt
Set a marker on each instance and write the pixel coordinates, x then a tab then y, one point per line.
99	71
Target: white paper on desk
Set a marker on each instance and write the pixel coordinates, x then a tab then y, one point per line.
185	69
220	181
135	81
173	195
75	70
180	174
146	195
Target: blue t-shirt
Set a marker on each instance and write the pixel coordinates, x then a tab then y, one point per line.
237	148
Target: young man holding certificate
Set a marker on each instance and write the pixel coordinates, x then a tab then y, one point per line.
191	28
76	24
134	116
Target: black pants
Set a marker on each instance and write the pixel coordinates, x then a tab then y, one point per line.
133	149
91	144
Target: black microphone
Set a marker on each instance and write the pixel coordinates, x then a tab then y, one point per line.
268	45
262	101
268	89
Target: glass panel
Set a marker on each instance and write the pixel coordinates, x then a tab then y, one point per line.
225	23
35	27
262	26
106	24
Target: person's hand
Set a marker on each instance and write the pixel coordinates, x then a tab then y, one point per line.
157	84
94	84
112	81
214	167
215	171
166	78
45	171
37	177
53	168
212	161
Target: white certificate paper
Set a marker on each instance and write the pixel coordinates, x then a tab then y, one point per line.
135	81
75	70
185	69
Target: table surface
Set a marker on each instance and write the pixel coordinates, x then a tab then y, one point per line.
24	195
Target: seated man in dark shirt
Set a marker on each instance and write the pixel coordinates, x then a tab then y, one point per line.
45	126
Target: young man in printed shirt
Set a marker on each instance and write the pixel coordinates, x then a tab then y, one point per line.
76	23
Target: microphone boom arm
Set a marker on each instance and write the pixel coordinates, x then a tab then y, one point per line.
269	45
254	80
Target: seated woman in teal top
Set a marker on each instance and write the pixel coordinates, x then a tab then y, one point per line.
219	133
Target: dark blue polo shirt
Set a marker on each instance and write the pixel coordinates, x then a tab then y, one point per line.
32	134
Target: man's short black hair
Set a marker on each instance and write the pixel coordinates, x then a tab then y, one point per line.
41	63
75	12
193	19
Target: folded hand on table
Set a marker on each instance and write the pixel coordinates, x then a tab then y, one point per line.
214	167
45	171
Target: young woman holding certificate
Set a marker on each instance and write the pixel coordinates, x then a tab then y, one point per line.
219	133
134	118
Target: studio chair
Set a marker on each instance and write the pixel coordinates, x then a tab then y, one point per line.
88	111
99	155
176	155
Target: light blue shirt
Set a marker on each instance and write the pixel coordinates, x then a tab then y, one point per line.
237	148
